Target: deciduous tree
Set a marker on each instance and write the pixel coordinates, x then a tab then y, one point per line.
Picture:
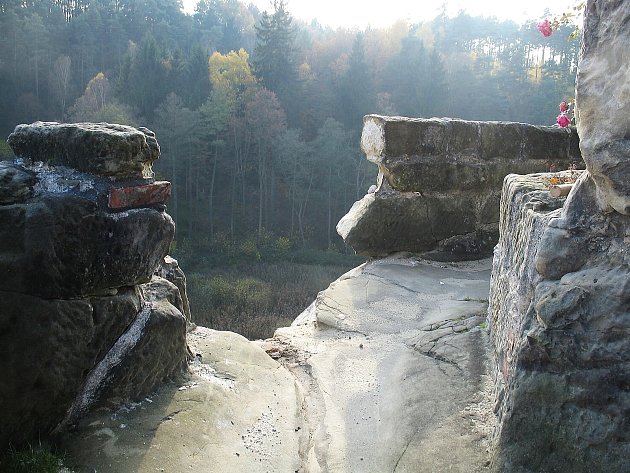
97	104
60	82
265	120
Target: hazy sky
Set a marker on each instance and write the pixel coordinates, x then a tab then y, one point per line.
361	13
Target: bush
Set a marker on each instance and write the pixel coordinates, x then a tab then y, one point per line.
249	250
247	294
283	244
329	257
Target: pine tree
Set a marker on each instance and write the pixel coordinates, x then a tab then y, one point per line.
195	80
357	86
275	55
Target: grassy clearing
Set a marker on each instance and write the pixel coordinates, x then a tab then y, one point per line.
257	283
255	299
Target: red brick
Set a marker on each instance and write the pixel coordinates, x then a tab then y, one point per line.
139	196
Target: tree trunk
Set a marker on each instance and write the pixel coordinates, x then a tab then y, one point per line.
261	197
329	204
211	192
302	211
293	178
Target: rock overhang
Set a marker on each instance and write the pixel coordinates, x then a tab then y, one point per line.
107	163
83	209
440	179
115	151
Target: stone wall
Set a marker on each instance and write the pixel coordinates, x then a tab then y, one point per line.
439	182
84	319
559	323
559	303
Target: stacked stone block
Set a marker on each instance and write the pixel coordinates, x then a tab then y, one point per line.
84	320
439	182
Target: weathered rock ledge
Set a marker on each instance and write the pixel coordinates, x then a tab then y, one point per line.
439	182
115	151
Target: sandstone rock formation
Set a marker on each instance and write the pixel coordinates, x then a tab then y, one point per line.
559	295
385	371
439	182
16	183
603	102
116	151
84	319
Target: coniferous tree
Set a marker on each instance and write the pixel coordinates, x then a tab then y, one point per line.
275	55
180	161
143	80
196	83
357	94
298	169
407	76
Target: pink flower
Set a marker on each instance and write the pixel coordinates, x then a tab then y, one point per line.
564	106
545	28
562	120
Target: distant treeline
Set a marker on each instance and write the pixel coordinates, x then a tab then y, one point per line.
258	115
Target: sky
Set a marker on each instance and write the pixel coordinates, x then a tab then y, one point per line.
379	13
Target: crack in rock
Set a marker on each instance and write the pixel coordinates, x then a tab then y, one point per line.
404	451
437	336
392	282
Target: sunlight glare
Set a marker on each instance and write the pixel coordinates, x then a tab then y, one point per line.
361	14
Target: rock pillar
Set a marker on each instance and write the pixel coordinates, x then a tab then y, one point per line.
560	298
83	319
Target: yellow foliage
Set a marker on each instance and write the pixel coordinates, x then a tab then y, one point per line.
283	244
305	73
381	44
231	72
97	91
496	67
534	74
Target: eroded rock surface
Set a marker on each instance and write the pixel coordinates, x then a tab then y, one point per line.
559	320
396	362
116	151
16	183
239	411
64	245
560	325
46	349
439	183
84	320
385	371
603	102
170	270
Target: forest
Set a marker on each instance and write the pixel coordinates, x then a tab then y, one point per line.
259	115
